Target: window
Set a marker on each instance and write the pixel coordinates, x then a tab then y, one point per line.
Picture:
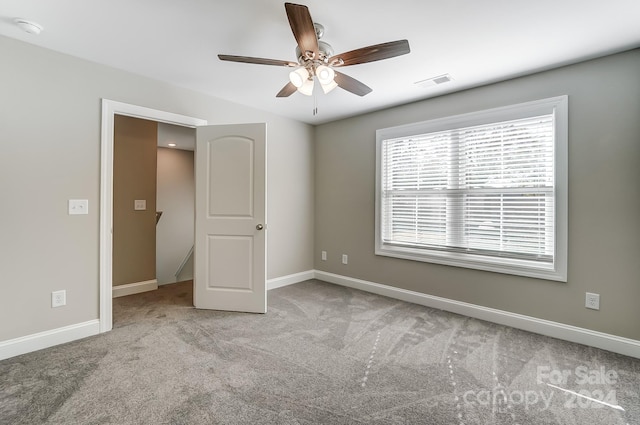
486	190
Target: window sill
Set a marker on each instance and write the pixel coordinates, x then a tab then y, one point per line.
478	262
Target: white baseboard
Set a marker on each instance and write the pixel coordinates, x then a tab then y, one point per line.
38	341
616	344
41	340
279	282
134	288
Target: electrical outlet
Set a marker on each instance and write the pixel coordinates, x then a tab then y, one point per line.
324	255
58	298
345	259
592	301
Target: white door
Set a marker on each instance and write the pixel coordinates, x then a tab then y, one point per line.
230	234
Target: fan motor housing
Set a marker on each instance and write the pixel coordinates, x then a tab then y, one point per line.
325	51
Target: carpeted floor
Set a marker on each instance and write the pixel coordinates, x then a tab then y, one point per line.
323	354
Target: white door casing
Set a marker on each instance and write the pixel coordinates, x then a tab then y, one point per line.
230	234
111	108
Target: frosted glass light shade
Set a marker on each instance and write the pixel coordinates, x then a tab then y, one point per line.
325	74
326	88
298	77
307	87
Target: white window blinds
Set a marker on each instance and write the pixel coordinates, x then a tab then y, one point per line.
484	191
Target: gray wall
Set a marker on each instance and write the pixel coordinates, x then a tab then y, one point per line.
50	152
176	200
604	199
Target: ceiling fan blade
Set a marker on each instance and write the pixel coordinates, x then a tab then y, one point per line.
259	61
302	27
371	53
287	90
351	84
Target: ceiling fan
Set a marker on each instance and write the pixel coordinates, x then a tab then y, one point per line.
316	58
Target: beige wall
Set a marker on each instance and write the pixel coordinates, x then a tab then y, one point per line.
50	153
604	199
134	178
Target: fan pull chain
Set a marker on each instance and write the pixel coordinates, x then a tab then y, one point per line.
315	105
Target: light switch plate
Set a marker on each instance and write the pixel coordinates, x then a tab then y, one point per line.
140	204
78	206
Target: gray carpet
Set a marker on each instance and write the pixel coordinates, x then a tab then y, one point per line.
323	354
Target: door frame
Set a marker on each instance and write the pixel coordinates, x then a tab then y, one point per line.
110	108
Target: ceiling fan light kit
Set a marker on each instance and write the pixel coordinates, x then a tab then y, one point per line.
316	58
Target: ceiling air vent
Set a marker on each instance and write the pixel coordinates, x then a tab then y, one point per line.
434	81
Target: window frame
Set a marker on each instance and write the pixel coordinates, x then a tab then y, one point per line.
557	270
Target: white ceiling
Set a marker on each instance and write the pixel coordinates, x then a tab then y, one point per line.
476	42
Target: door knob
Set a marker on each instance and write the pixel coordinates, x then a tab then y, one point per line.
259	227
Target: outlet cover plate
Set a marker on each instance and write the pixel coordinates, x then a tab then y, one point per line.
58	298
592	301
